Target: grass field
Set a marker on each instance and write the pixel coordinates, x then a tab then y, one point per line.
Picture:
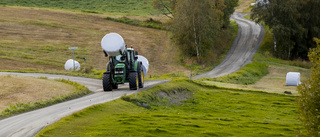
118	7
24	90
180	108
38	40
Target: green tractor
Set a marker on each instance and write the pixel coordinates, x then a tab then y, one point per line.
123	65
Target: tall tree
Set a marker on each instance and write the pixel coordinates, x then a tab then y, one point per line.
228	11
196	24
294	24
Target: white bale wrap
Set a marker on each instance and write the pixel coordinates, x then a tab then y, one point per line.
113	44
293	79
69	65
145	64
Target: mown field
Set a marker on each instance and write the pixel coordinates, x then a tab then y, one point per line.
116	7
38	40
24	90
181	108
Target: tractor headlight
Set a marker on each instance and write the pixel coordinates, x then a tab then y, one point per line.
119	72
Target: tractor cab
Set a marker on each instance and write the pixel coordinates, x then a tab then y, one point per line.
123	65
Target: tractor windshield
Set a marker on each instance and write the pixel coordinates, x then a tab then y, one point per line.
118	58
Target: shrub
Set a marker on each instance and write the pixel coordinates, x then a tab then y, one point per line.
150	23
309	101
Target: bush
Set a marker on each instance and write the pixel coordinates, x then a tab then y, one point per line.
309	101
150	23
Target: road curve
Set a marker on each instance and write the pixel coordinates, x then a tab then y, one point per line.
246	44
29	123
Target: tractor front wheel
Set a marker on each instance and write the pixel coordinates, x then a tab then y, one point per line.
133	81
106	82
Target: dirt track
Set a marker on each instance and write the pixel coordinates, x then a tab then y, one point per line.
246	44
28	124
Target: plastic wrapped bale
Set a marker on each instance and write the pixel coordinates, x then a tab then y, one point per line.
113	44
69	65
145	64
293	79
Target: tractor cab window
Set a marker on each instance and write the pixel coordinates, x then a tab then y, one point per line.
119	59
130	55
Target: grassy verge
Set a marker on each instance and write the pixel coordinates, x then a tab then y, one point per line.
249	74
181	108
24	107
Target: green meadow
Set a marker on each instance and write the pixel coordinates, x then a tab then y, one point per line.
116	7
183	108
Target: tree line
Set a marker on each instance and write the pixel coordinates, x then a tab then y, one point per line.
294	23
196	24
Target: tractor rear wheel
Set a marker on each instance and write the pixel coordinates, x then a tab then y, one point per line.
140	76
106	82
133	81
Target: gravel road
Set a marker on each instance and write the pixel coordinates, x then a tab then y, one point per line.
28	124
246	44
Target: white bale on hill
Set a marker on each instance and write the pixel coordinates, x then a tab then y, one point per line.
293	79
145	64
69	65
113	44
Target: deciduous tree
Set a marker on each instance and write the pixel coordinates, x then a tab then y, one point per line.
294	24
309	101
196	24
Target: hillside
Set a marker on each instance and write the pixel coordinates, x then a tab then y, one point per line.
116	7
38	40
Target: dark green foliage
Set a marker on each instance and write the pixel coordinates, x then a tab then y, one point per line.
150	23
294	24
309	101
127	7
228	11
196	25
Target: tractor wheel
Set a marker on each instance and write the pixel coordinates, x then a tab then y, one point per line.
140	76
114	86
133	81
106	82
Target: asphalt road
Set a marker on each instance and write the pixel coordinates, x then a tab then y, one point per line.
246	44
28	124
